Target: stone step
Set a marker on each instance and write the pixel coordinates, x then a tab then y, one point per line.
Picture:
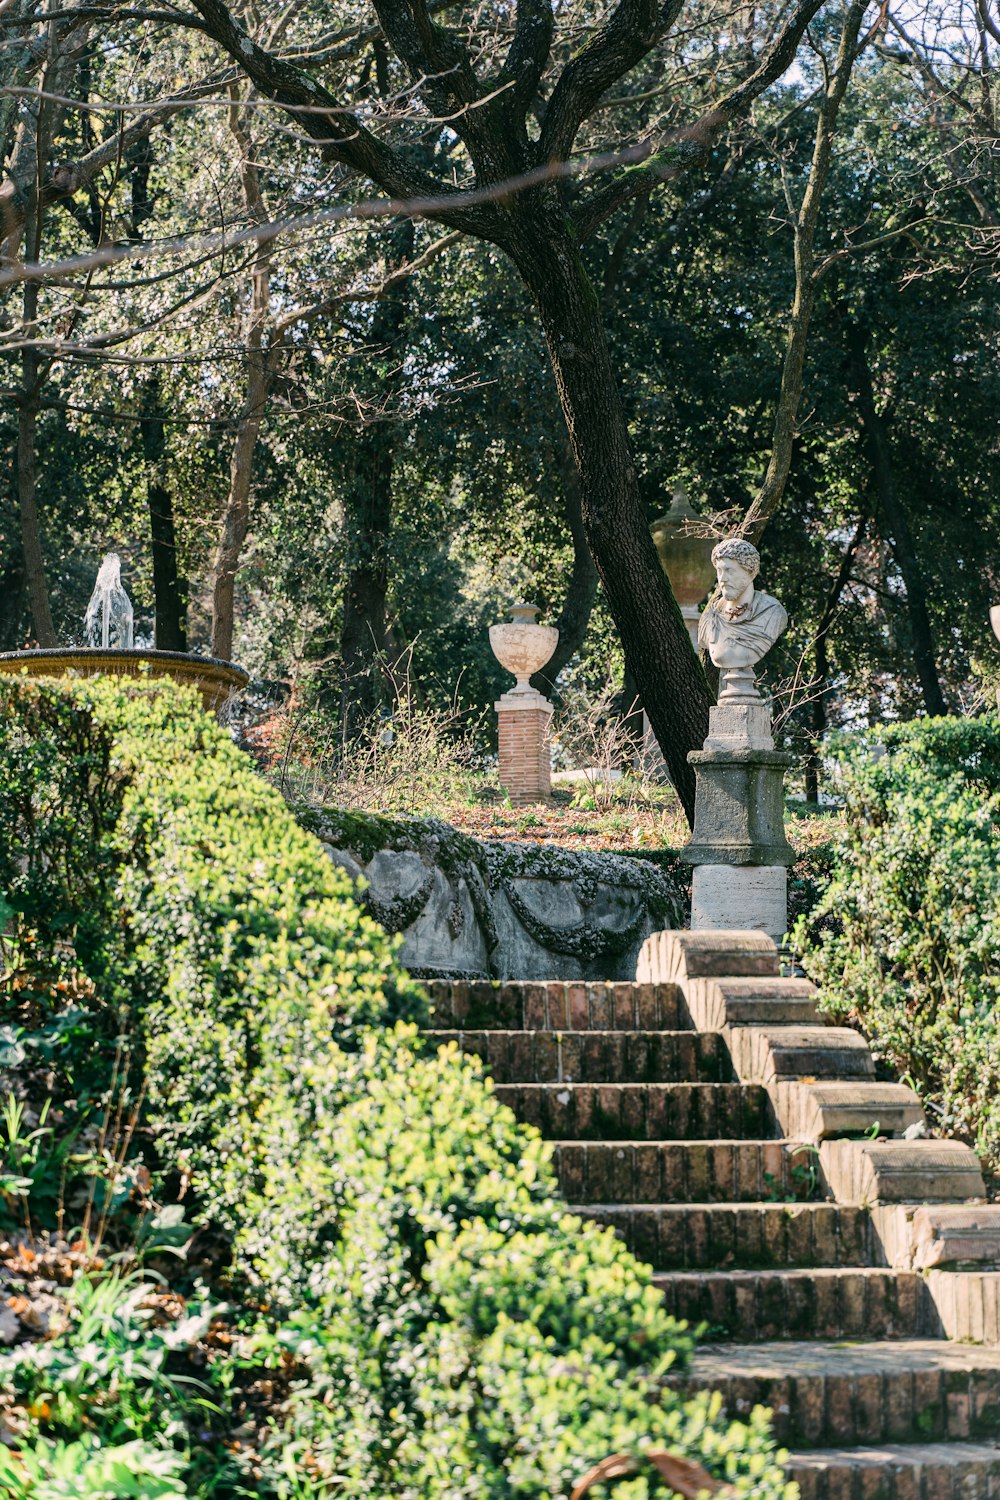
908	1390
928	1471
485	1004
641	1111
819	1111
770	1054
679	954
707	1171
597	1056
715	1003
966	1304
693	1236
921	1171
755	1306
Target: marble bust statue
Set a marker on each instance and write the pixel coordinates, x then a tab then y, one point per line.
739	625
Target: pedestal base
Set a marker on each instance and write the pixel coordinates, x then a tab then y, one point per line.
741	898
523	719
739	809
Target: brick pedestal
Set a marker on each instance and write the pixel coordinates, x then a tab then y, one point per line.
525	752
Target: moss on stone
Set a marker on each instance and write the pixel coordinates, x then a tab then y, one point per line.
489	868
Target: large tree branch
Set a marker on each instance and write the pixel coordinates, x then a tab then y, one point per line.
336	130
528	53
629	34
435	56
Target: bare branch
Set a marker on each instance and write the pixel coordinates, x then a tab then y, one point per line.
988	22
691	146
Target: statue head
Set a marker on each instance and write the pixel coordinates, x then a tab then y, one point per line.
737	564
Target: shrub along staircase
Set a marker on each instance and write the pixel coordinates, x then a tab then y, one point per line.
745	1150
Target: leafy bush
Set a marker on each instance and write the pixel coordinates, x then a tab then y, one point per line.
91	1470
414	1313
906	938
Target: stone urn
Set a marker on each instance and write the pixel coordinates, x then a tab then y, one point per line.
685	557
522	646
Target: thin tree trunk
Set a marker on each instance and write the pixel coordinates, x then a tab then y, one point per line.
821	662
806	220
236	514
169	589
368	500
653	633
896	521
27	469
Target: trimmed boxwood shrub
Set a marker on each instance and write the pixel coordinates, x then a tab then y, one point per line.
416	1309
905	940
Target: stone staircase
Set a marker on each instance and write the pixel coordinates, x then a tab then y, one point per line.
745	1150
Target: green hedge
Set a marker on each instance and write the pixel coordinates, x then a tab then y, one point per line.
412	1312
905	940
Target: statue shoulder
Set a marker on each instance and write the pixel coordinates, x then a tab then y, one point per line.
768	604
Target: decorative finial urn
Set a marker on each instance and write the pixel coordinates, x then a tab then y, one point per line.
522	646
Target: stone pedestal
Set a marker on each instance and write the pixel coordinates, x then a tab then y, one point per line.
523	718
739	811
738	846
740	898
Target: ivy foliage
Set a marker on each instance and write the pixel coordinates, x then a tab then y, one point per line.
409	1301
905	940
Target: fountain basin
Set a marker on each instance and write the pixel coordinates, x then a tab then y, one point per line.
215	680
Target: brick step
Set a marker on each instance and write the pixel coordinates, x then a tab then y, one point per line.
916	1390
707	1171
597	1056
928	1471
691	1236
756	1306
553	1004
641	1111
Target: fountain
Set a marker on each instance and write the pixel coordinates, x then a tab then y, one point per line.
109	651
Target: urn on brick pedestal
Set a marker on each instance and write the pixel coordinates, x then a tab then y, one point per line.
523	714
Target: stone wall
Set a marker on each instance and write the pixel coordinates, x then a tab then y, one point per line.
474	909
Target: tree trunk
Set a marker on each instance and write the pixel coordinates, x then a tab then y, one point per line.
896	521
236	515
653	633
368	501
169	589
27	488
805	219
